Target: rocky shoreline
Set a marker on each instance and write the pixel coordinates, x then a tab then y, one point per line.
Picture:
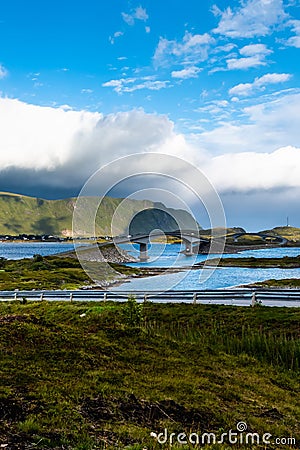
94	253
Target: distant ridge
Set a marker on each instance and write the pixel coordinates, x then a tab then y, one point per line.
21	214
288	232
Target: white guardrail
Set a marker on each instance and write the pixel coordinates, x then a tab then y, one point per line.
242	297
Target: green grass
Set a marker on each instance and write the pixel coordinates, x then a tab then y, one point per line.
290	233
51	272
77	376
283	283
287	262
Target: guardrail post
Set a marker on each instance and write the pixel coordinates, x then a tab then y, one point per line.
253	299
104	296
71	296
16	296
194	298
145	298
42	296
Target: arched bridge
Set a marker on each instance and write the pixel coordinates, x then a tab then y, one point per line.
189	237
279	239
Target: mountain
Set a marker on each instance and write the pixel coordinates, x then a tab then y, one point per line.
20	214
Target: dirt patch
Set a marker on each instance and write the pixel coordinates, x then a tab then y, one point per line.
272	414
11	410
21	318
145	413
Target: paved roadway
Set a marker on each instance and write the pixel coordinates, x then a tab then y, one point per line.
190	236
241	297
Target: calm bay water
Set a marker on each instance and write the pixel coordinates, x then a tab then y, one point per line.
19	250
169	256
225	277
161	255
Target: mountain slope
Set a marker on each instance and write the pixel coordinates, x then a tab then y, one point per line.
288	232
20	214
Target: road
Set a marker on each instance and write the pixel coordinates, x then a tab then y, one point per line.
240	297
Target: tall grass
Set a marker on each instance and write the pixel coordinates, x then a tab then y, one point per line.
278	350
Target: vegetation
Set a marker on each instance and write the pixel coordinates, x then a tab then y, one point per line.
21	214
81	376
51	272
247	240
133	312
287	262
290	233
290	283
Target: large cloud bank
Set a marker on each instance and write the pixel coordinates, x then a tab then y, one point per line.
56	150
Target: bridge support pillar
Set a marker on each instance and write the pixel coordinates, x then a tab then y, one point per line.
143	251
188	249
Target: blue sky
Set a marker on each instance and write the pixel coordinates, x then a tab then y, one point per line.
215	82
172	57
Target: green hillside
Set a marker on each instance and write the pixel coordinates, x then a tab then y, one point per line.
290	233
20	214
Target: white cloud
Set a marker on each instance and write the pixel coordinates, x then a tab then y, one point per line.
61	148
128	18
245	89
192	49
86	91
224	48
135	84
3	72
151	85
242	89
39	137
248	171
218	109
253	56
118	84
138	13
244	63
271	78
116	35
66	107
147	29
252	18
188	72
294	41
141	14
255	49
265	127
54	147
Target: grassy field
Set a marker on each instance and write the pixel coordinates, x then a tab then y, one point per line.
290	233
287	262
86	376
52	272
290	283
